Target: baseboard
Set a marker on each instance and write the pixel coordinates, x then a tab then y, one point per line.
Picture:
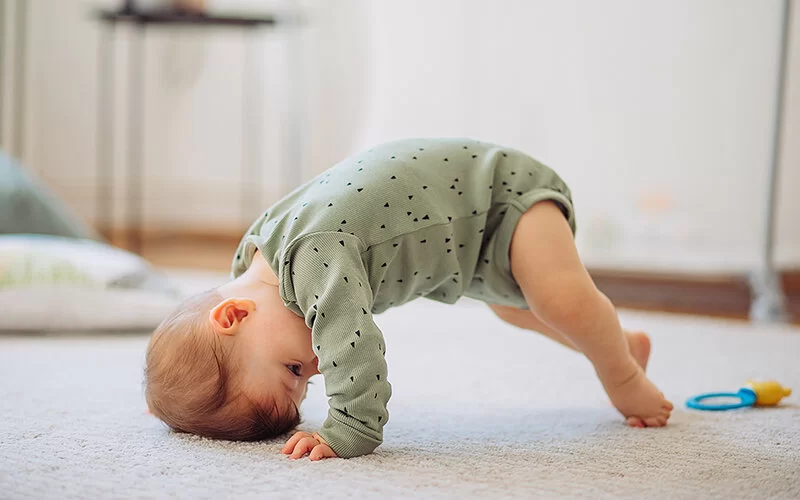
724	295
791	287
718	295
167	236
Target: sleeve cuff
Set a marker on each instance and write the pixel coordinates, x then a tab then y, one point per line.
346	441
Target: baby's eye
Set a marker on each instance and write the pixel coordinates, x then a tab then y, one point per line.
295	369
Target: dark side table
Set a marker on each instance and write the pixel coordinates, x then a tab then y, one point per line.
134	173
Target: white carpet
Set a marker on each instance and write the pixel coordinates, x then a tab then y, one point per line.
479	409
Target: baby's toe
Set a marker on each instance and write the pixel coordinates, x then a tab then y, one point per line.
655	421
635	422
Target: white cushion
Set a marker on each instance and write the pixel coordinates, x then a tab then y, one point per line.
51	283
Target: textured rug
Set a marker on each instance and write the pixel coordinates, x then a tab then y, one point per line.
480	409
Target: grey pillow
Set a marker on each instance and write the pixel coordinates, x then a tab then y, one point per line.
27	207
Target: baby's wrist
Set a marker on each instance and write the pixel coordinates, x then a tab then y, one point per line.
320	438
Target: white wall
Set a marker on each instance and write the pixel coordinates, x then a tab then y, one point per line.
658	113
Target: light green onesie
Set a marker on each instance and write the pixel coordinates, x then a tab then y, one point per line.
412	218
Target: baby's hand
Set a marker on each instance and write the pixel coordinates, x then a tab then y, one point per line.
303	442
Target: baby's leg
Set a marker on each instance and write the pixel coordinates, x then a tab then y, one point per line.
638	342
559	291
526	319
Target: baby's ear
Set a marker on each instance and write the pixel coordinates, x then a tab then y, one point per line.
227	316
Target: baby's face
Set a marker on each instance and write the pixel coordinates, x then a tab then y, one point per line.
276	359
270	345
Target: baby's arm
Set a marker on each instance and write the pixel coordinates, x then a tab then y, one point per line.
330	284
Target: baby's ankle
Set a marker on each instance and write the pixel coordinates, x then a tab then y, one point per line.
619	373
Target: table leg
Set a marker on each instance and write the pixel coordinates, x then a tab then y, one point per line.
105	131
2	66
20	79
293	153
136	140
252	133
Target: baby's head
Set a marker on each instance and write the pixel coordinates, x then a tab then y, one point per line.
231	363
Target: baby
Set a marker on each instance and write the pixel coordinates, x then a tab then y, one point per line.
434	218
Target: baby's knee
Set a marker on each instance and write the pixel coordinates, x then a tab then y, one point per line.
563	299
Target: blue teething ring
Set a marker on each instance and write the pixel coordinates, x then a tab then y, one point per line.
747	397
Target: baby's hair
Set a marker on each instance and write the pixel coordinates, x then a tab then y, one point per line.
189	383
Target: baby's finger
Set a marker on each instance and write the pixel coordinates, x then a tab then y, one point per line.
304	446
322	451
290	444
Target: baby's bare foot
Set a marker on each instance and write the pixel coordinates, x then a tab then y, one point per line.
639	345
640	401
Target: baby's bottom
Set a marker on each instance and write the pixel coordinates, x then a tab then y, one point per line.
566	304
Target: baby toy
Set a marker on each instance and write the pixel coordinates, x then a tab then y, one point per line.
753	393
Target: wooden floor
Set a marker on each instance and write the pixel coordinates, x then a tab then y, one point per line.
212	255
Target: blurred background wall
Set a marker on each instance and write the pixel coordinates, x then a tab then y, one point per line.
658	113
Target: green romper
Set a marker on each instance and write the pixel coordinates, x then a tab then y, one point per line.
411	218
